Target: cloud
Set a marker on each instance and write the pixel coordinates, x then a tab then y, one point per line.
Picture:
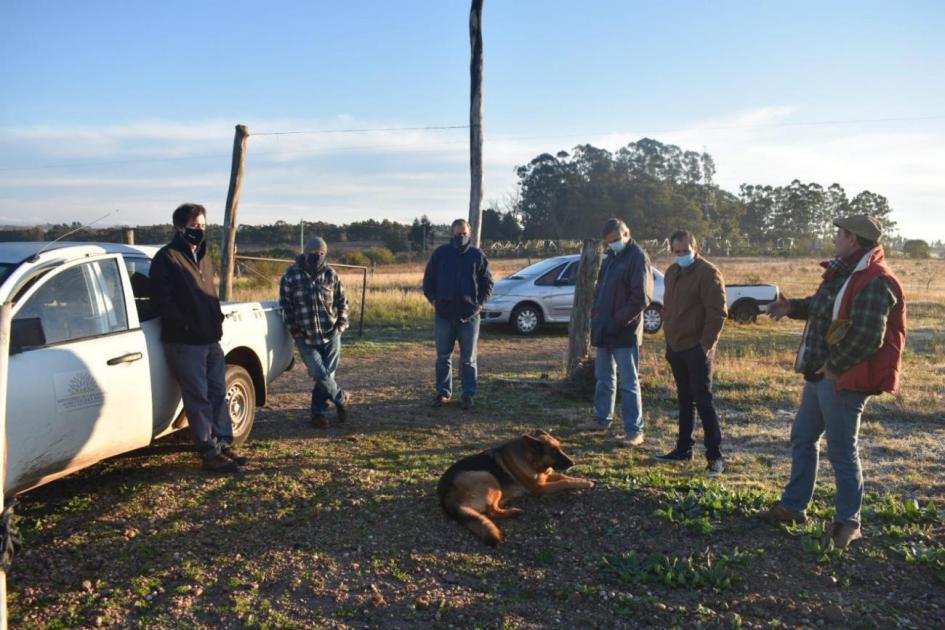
146	168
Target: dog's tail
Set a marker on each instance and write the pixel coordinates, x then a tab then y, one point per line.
478	524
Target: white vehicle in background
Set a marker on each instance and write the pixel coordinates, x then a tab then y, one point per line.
87	373
543	293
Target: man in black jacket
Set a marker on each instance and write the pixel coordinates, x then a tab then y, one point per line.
624	289
185	296
457	281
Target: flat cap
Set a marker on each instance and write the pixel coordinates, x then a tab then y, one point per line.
862	225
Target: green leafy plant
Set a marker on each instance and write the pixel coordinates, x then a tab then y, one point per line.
706	569
929	555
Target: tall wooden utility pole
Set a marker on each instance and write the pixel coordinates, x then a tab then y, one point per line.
230	221
579	328
475	121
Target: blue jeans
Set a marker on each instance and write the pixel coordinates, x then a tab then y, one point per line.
322	361
201	373
447	333
608	362
824	410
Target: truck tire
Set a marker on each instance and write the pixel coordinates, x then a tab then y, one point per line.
652	318
240	402
526	319
745	311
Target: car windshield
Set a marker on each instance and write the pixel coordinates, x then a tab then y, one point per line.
535	269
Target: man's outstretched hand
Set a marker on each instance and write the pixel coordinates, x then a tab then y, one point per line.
781	307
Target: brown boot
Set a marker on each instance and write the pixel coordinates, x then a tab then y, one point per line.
342	408
219	464
778	514
843	534
319	421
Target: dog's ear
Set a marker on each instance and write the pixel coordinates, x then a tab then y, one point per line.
533	444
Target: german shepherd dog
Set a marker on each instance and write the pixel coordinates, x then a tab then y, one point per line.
472	490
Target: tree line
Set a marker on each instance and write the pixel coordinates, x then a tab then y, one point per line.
659	187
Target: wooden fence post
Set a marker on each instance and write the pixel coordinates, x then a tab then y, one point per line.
129	236
579	328
475	121
230	220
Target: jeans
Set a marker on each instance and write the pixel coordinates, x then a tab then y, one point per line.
322	361
201	373
823	409
608	361
446	333
692	370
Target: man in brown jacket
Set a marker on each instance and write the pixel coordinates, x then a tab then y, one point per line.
694	312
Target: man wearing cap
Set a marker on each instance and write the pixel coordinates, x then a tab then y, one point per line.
851	349
315	309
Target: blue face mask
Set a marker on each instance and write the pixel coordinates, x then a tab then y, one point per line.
685	261
616	246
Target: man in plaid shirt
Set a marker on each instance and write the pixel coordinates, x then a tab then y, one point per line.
851	349
315	309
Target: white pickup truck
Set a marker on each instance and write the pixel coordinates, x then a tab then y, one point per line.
87	373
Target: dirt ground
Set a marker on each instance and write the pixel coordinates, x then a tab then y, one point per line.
341	528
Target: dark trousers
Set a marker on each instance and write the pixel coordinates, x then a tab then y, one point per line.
692	370
201	373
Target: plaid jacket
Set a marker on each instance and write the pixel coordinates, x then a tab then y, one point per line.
314	308
868	315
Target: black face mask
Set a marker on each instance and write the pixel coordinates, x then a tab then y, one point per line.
194	236
460	241
315	261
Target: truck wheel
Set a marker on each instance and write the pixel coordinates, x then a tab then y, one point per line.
240	401
652	318
745	312
526	319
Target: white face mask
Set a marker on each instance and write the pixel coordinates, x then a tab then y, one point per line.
617	246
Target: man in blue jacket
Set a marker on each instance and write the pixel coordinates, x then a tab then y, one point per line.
457	282
624	289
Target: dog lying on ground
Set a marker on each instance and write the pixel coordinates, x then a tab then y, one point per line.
472	490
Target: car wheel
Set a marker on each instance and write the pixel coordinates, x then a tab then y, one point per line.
240	402
526	319
652	318
745	312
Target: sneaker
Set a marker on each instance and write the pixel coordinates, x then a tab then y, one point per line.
592	424
319	421
715	467
675	455
468	403
778	514
342	408
440	400
630	440
230	452
219	464
843	534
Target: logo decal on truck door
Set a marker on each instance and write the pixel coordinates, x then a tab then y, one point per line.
77	390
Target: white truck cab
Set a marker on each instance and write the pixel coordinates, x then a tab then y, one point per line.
87	374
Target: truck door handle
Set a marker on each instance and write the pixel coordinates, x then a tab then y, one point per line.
131	357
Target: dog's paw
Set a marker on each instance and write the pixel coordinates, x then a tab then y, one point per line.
588	484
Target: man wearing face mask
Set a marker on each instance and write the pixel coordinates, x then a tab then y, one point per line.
694	311
851	349
457	282
185	295
315	309
624	289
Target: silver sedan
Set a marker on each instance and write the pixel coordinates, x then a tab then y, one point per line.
543	293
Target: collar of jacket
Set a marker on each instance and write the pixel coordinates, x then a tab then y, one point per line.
180	244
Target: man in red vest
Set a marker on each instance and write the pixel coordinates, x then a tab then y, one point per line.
851	350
